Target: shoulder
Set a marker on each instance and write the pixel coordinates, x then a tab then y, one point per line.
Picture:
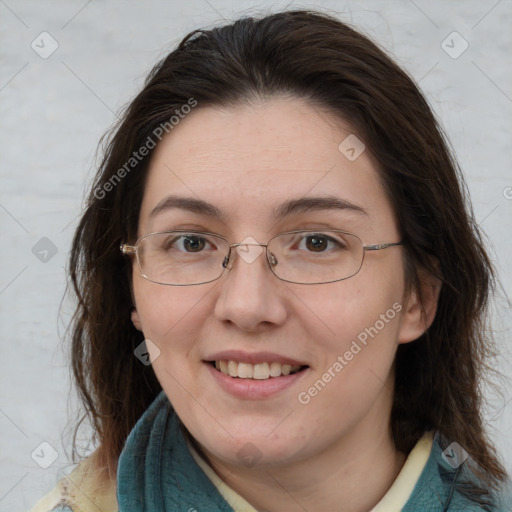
53	501
448	484
82	490
40	507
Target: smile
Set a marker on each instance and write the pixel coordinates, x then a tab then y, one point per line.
260	371
255	375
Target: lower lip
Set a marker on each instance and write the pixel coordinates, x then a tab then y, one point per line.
254	389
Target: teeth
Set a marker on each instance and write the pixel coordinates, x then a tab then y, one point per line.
245	370
275	369
260	371
232	368
286	369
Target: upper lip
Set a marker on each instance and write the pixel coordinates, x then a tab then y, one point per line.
253	357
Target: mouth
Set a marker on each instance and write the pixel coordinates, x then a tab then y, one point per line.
255	375
259	371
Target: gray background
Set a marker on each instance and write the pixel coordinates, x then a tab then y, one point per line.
54	110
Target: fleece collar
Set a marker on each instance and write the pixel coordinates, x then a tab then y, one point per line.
157	473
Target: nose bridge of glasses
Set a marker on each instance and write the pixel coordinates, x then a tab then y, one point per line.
257	244
247	250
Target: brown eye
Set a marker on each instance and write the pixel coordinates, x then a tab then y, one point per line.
316	243
194	243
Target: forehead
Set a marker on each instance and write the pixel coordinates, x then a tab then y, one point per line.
249	159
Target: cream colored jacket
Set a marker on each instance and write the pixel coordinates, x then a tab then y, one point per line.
81	492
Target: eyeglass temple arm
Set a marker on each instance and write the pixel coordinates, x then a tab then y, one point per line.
378	247
128	249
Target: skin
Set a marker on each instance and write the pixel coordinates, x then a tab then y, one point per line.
246	160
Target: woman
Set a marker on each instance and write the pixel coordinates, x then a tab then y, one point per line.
281	289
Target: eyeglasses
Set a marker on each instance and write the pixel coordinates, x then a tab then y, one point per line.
183	258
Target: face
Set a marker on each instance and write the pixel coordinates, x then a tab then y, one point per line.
247	161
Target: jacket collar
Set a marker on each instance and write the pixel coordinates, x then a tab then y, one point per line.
156	472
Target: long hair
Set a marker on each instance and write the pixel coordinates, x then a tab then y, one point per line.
313	56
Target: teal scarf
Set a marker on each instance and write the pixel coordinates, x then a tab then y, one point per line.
157	473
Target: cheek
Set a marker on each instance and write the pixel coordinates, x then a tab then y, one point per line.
357	350
347	312
165	311
356	353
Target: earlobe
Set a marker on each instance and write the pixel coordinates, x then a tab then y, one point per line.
136	320
420	310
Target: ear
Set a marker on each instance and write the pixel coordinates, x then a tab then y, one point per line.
136	320
419	309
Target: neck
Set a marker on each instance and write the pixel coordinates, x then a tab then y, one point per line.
352	474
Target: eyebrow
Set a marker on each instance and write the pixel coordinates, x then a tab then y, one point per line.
307	204
187	203
291	207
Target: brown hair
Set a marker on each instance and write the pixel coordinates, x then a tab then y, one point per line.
316	57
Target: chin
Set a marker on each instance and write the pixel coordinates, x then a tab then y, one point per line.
253	454
251	451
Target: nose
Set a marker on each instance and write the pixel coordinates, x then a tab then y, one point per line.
250	296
